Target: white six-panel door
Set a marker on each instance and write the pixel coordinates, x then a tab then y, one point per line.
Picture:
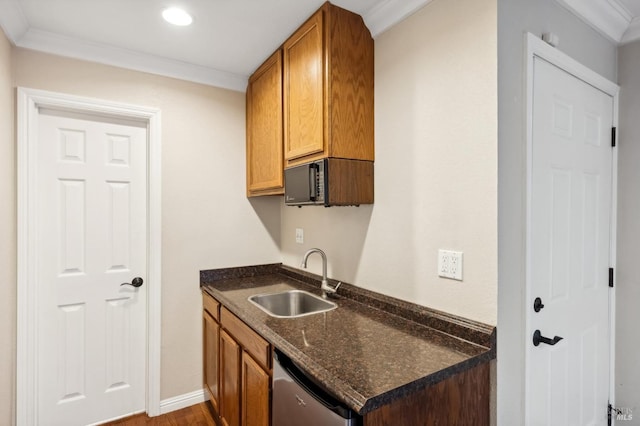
570	208
92	233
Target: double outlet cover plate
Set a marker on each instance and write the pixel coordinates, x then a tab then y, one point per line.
450	264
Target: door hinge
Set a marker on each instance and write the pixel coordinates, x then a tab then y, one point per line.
610	277
613	136
609	410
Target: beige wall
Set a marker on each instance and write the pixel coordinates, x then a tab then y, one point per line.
435	169
7	237
207	221
435	126
628	283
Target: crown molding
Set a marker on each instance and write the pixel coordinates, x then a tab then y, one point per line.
12	20
16	27
389	12
609	17
109	55
633	32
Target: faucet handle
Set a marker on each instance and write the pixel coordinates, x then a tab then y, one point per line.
328	289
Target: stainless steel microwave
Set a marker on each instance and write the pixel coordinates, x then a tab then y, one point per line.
329	182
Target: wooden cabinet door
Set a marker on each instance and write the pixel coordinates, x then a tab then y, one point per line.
264	129
255	393
230	380
304	90
211	339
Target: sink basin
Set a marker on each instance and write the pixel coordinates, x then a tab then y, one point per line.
291	304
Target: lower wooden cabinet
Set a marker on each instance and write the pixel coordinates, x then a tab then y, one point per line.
256	385
238	364
211	344
230	380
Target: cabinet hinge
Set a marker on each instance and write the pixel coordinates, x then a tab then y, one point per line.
610	277
613	136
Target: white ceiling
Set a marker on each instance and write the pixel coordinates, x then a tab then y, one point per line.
227	41
229	38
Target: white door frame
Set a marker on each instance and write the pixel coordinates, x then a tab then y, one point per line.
535	47
29	102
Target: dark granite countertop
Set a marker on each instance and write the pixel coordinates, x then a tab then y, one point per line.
369	351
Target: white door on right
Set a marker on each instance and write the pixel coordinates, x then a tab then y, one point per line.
569	251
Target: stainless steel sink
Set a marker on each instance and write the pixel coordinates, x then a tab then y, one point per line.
291	304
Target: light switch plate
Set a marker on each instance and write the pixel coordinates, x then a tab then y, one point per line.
450	264
299	235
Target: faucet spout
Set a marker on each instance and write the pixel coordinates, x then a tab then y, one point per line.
325	287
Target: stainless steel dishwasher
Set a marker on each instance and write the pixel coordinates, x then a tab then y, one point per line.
297	400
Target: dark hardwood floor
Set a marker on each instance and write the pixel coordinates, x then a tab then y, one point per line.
197	415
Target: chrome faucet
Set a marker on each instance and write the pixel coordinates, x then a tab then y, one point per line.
325	287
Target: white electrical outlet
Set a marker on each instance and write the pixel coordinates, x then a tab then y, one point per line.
450	264
299	235
443	263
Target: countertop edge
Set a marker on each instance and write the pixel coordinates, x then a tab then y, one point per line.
419	384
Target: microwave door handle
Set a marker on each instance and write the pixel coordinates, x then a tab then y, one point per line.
313	187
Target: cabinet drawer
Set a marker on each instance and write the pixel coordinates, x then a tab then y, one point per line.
248	339
211	305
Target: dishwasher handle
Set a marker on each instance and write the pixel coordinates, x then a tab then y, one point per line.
312	387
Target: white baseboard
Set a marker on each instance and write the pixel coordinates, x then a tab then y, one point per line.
182	401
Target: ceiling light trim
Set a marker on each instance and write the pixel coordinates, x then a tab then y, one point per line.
608	17
390	12
109	55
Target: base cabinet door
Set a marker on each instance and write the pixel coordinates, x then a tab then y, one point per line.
211	357
255	393
230	380
237	368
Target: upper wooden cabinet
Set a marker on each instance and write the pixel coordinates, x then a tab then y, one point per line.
311	99
264	129
328	88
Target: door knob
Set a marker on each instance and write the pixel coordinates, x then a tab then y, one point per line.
537	304
539	338
136	282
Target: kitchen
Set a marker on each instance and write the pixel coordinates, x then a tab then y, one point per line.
442	128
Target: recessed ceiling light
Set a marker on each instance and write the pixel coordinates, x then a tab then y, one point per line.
177	16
